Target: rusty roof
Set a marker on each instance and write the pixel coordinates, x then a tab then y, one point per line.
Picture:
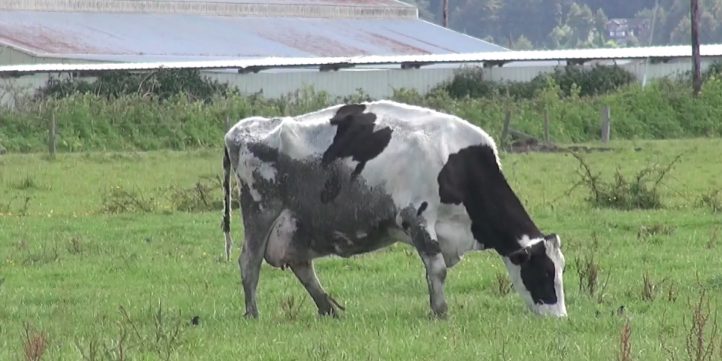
292	8
126	37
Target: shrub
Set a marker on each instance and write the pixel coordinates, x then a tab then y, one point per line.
572	80
622	193
161	84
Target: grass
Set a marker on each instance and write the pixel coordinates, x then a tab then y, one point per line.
79	283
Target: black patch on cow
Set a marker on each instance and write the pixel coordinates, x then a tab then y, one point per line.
472	177
355	137
263	153
340	216
538	274
331	187
413	224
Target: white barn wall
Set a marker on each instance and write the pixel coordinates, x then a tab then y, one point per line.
377	84
381	83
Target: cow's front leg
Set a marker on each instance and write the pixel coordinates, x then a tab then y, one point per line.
423	236
307	275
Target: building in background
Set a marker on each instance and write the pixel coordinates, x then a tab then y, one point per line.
47	31
68	31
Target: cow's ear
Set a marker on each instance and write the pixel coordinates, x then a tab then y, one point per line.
554	240
520	257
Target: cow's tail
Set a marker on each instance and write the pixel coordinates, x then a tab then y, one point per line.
226	224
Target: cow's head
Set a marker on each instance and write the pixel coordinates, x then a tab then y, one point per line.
536	272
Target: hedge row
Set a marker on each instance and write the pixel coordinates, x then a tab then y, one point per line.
90	121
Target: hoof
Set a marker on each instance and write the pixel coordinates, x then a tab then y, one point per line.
331	308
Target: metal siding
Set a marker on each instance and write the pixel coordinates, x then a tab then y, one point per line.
378	84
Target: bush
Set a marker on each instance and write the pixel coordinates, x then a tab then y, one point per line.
119	118
160	84
621	193
572	81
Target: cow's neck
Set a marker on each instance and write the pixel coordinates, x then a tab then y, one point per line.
499	220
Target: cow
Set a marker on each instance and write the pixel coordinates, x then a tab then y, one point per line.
353	178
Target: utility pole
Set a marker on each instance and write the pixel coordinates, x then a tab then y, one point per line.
445	13
696	71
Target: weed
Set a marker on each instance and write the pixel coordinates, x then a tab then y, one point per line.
649	288
588	272
26	183
625	343
639	193
75	246
120	200
116	350
702	335
35	343
503	284
22	245
672	292
291	307
319	352
42	256
656	229
92	352
166	336
713	238
198	198
712	200
8	206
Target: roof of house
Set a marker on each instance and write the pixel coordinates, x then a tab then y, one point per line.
149	35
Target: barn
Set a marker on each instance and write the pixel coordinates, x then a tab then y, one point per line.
44	31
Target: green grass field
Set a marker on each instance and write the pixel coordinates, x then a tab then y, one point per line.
88	284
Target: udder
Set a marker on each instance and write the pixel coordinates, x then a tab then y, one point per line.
282	247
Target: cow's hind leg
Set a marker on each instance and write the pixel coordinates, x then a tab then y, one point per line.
424	239
307	275
256	224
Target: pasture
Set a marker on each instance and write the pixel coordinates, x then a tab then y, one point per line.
101	259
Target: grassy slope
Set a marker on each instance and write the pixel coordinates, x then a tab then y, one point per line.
68	269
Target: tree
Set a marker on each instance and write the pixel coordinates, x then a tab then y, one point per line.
522	43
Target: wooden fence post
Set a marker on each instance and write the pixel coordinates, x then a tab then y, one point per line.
505	129
52	136
546	126
606	124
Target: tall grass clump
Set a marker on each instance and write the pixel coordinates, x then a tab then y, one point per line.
622	192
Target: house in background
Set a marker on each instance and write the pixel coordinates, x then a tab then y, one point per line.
628	31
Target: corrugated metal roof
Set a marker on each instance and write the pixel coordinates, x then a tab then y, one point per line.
125	37
294	8
496	57
310	2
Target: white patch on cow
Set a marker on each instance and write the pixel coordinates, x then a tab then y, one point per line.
455	238
248	164
553	250
267	171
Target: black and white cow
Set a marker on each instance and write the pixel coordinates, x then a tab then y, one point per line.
350	179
